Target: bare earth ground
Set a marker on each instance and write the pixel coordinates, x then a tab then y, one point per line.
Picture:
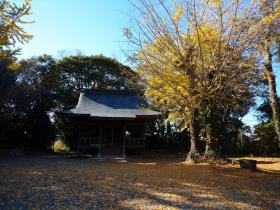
57	183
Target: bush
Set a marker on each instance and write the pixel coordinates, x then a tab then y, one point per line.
266	142
60	146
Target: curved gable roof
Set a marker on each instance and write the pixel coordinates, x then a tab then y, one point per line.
111	104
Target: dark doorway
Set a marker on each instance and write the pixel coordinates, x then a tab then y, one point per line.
112	140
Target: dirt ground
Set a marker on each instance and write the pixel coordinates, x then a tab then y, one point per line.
56	183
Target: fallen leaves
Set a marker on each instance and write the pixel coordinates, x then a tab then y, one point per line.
91	184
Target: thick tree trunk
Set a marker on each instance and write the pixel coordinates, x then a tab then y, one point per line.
272	93
212	149
193	153
235	139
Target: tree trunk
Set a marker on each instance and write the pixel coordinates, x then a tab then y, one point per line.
235	138
272	93
212	149
193	153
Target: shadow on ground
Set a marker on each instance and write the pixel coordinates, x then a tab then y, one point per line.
59	183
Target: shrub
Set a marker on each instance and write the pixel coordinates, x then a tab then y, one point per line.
60	146
265	140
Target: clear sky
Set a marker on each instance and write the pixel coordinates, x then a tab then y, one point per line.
90	26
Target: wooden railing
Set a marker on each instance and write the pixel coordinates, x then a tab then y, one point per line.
135	142
88	142
130	142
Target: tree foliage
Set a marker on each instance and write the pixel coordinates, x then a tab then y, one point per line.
30	102
43	85
11	21
195	57
268	34
264	137
78	73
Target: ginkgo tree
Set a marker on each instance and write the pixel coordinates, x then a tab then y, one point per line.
11	21
194	57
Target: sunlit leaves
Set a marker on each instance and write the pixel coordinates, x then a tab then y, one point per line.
11	19
57	183
195	57
183	69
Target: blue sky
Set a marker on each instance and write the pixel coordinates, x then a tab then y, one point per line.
90	26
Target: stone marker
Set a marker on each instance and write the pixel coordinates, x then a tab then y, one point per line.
249	164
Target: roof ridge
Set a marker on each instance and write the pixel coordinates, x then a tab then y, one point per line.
111	92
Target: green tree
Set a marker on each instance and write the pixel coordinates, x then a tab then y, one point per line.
268	30
43	85
265	138
11	31
78	73
33	98
11	19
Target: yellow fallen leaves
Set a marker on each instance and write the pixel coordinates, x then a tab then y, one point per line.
135	184
265	163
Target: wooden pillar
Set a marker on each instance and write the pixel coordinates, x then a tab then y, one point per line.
124	133
79	134
112	135
99	143
144	139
